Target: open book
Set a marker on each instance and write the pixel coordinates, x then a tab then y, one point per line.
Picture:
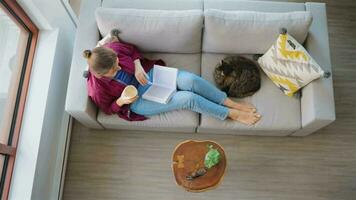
164	84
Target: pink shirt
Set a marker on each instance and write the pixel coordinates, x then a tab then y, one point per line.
105	91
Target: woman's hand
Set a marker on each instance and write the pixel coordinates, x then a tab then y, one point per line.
122	100
140	73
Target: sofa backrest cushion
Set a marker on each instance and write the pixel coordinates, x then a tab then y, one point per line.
248	5
171	31
155	4
250	32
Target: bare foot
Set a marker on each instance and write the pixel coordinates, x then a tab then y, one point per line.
243	106
247	118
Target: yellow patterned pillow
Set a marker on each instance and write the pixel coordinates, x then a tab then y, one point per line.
289	65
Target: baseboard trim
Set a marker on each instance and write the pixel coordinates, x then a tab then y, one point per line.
65	158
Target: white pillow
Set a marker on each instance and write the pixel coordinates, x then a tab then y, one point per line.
250	32
289	65
154	30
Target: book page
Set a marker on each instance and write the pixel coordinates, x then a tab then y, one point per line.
158	91
164	84
165	76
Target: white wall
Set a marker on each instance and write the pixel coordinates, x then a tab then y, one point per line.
38	161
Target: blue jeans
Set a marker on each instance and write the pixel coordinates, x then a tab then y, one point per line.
194	93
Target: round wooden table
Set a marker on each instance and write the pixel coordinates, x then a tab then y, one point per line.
188	156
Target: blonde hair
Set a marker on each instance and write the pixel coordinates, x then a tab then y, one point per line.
100	59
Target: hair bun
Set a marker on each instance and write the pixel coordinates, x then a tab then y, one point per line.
283	31
87	54
115	32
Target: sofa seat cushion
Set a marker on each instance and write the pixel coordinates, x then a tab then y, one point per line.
174	121
175	31
189	62
280	113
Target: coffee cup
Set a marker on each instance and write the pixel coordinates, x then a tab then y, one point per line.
129	92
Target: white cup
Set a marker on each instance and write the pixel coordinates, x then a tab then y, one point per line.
129	92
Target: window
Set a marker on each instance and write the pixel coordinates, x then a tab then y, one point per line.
18	36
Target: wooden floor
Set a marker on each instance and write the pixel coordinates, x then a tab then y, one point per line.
136	165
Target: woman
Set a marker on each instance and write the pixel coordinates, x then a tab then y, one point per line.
117	64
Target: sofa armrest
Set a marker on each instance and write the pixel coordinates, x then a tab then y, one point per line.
78	104
317	101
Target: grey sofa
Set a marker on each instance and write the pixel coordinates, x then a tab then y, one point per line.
282	115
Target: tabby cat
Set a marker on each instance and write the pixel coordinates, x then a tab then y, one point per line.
238	76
